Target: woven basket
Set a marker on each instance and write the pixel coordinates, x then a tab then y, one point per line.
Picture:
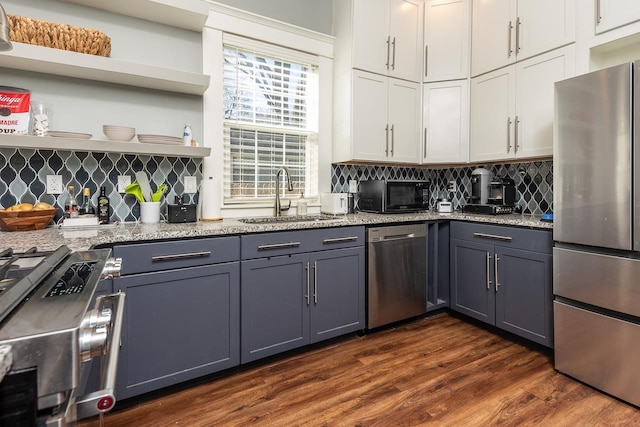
59	36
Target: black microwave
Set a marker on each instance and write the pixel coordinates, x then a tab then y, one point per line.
382	196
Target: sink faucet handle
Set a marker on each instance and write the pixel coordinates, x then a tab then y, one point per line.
287	208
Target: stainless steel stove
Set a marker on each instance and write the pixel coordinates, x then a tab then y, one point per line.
52	327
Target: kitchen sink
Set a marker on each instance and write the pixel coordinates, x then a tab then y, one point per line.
290	218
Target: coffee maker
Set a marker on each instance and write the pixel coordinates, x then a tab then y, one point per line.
489	194
480	186
502	191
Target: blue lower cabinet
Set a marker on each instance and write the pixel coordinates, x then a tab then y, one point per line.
274	318
291	300
337	296
503	276
178	325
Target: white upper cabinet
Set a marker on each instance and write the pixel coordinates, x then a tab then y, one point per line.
386	120
446	39
512	108
446	122
615	13
387	37
504	31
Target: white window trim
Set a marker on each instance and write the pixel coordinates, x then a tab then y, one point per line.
225	21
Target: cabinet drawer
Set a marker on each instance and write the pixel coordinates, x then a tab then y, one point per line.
519	238
157	256
293	242
337	238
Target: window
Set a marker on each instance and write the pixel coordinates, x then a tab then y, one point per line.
270	121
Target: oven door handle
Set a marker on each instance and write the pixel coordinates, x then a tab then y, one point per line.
104	399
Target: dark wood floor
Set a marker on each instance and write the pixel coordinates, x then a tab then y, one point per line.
436	371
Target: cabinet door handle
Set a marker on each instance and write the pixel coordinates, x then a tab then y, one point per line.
315	282
488	270
518	22
424	153
340	239
508	134
388	51
386	147
392	140
307	295
515	134
159	258
426	60
598	13
278	246
393	58
495	270
509	31
493	236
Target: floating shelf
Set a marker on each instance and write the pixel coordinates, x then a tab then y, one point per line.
101	146
97	68
187	14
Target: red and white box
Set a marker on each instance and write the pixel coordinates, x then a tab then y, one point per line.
14	110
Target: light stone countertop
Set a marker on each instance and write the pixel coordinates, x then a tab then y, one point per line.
53	237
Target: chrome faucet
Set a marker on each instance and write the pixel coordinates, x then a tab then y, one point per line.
278	209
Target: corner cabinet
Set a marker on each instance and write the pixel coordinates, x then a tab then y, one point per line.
512	108
182	316
446	122
387	36
446	39
300	287
506	31
503	276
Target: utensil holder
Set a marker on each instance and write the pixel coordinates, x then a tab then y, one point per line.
150	212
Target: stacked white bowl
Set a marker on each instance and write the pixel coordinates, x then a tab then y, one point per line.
118	133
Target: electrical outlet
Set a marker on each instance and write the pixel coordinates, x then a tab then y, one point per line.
190	185
54	184
123	182
353	186
453	187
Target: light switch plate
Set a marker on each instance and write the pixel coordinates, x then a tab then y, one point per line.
54	184
353	186
123	182
190	185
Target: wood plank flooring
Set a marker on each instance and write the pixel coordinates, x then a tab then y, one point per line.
439	371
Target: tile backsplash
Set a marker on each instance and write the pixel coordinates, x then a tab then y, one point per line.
534	181
23	177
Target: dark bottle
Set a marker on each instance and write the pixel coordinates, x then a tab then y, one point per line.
103	206
87	207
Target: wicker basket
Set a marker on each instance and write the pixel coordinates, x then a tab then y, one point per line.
59	36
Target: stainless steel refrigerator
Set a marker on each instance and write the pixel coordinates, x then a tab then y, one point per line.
596	255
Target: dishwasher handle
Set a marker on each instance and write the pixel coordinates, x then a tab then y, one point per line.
396	237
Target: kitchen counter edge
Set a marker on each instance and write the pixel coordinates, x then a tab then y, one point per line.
53	237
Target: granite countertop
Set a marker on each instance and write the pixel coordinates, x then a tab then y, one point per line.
53	237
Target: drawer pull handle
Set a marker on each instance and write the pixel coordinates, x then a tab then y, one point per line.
493	236
278	246
340	239
159	258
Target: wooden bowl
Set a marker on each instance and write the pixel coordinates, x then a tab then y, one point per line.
26	220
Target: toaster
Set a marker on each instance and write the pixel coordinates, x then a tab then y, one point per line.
334	203
181	213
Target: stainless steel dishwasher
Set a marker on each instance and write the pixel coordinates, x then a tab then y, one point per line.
396	273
